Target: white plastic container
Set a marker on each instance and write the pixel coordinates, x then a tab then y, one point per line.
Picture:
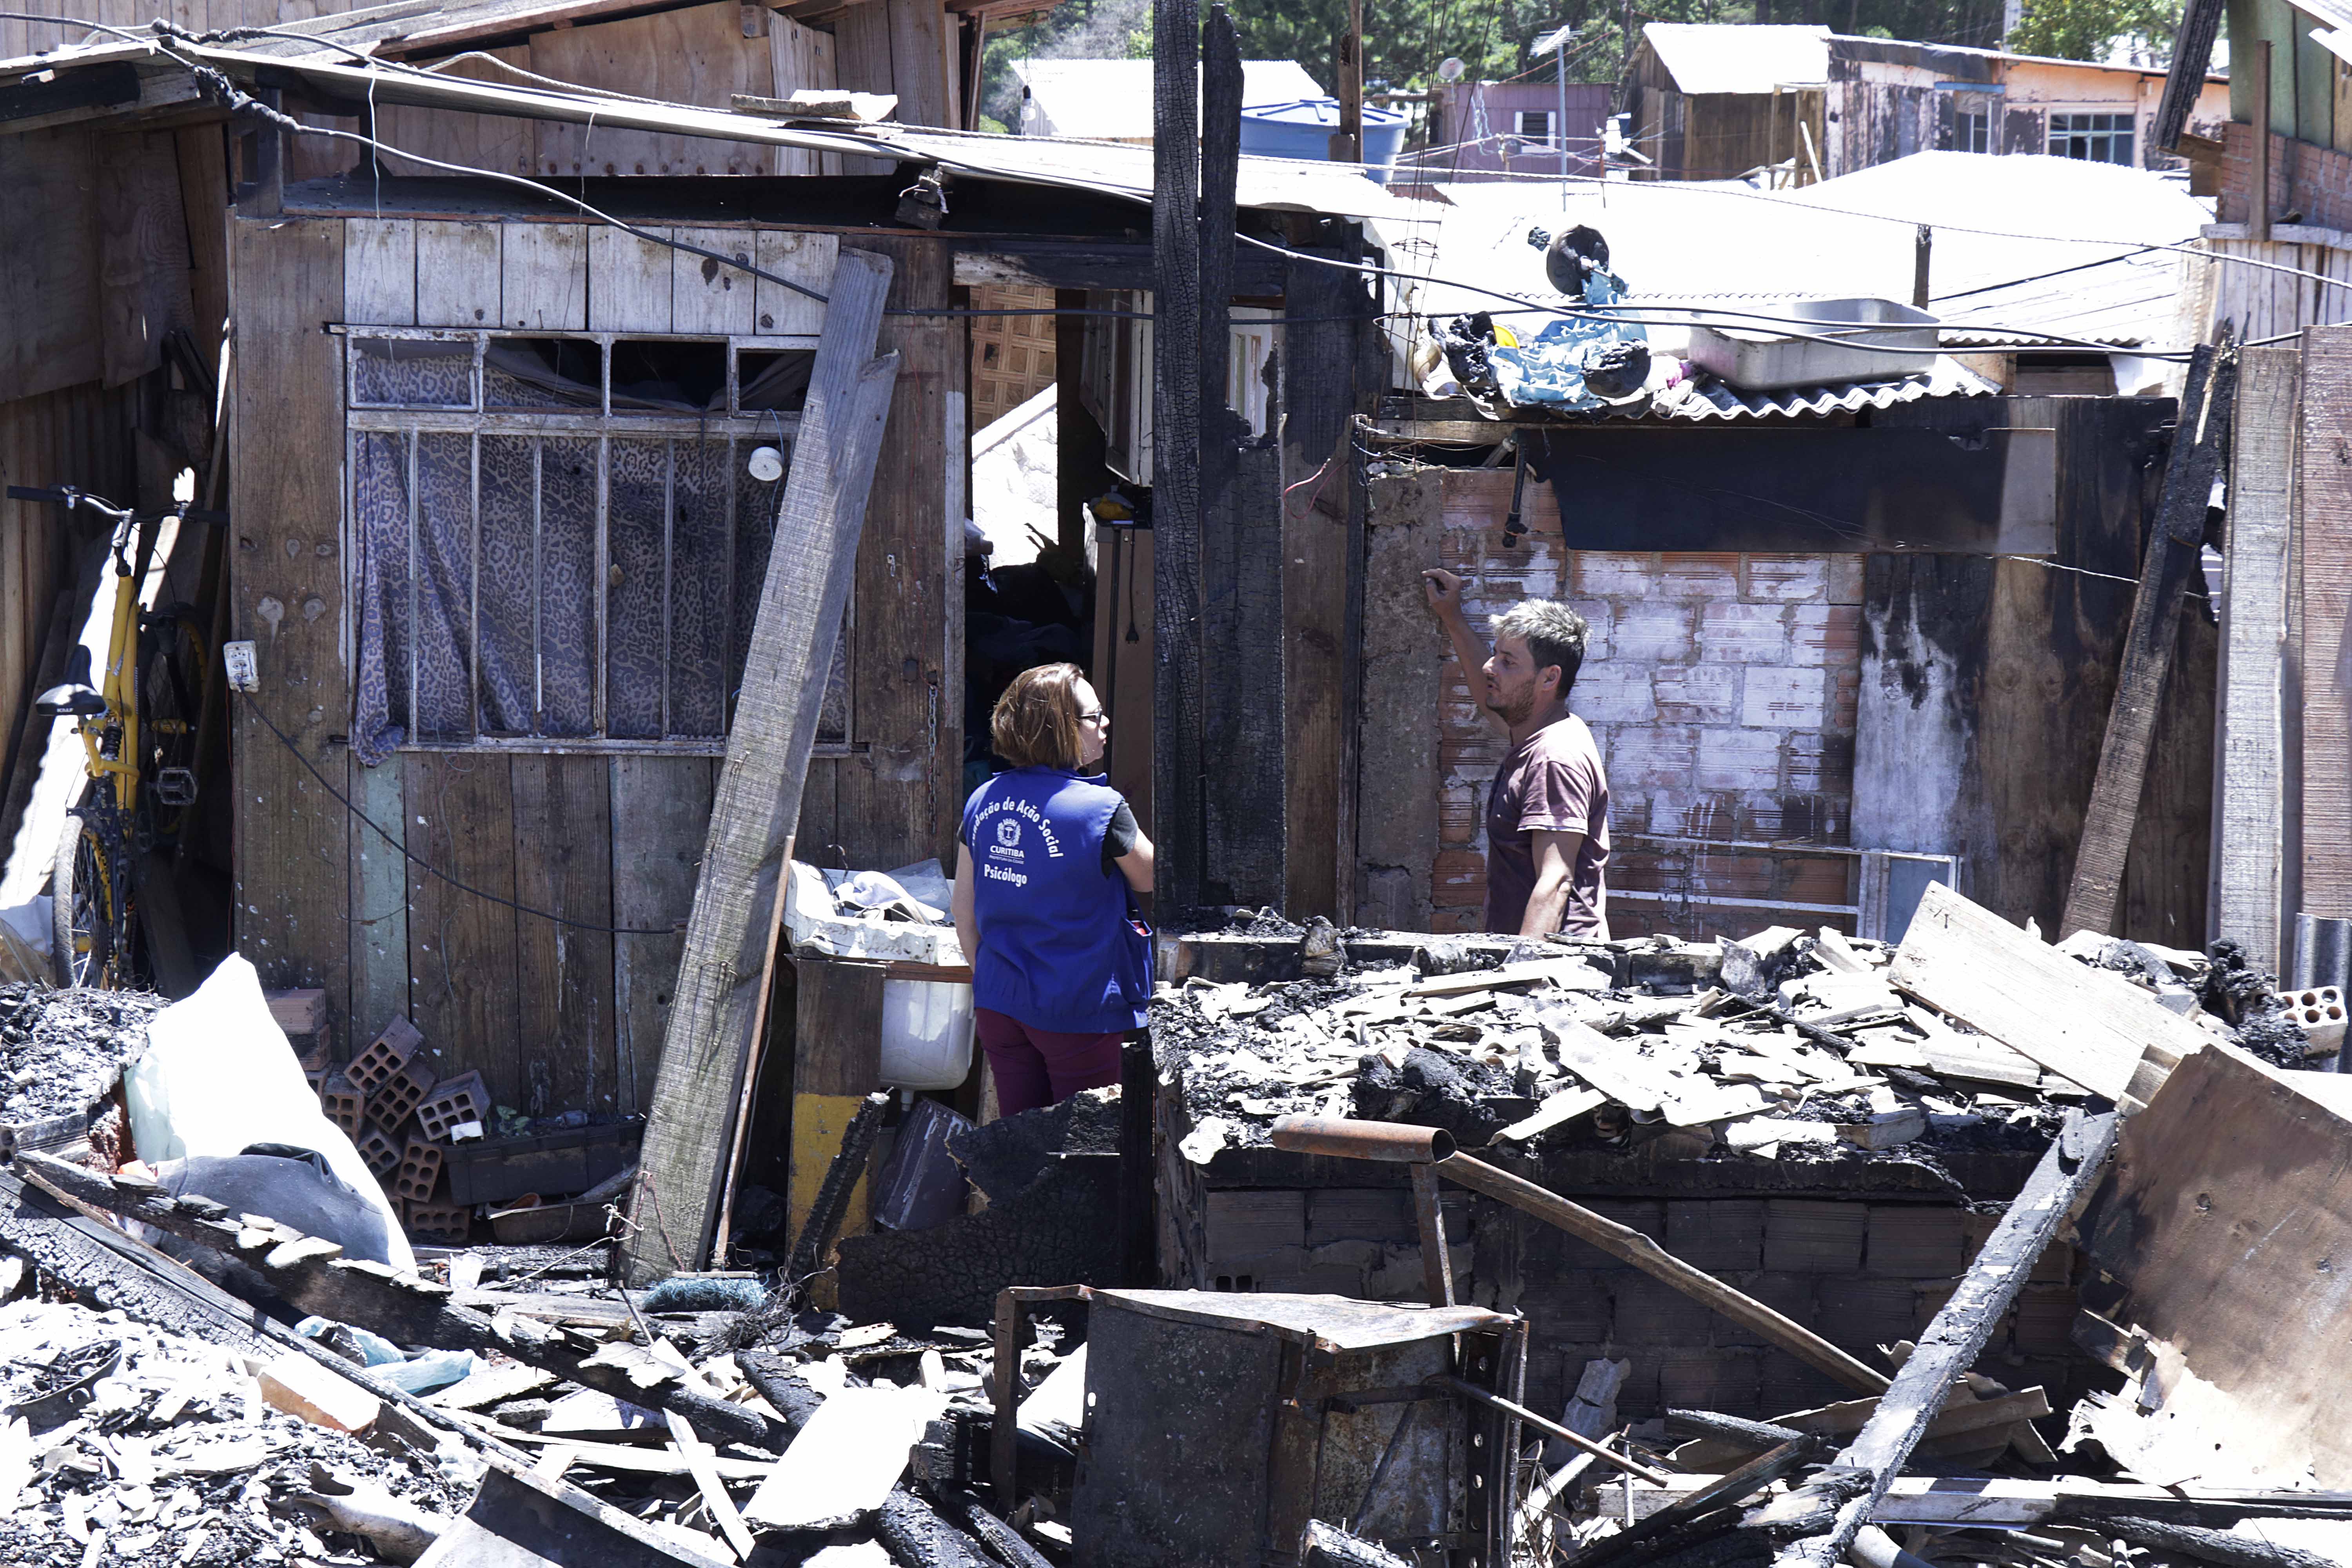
926	1033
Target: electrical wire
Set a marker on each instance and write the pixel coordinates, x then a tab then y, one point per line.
425	866
239	101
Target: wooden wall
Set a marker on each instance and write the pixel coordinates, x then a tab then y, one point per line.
555	1018
1986	686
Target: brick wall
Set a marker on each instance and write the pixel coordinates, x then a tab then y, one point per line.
1859	1274
1722	691
2307	180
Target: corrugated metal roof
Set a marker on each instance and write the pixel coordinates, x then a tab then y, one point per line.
1711	399
2125	303
1704	58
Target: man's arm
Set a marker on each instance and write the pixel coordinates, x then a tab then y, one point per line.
1555	876
1443	590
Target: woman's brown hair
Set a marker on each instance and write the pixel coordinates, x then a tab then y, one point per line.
1035	725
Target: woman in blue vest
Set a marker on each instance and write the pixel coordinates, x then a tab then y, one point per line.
1061	964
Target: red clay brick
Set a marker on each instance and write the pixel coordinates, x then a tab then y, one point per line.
1785	579
1845	585
1825	635
1653	633
1698	693
1614	693
1738	759
1691	575
1458	879
1736	633
1611	575
1775	698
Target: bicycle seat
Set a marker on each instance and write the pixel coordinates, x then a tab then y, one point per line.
73	698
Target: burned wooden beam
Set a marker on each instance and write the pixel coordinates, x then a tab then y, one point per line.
1828	1512
722	972
1390	1141
2222	1546
311	1273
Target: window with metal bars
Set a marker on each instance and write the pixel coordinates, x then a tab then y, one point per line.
558	541
2092	138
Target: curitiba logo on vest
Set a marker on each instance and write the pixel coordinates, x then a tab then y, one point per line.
1011	816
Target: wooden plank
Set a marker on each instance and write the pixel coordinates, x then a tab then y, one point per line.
758	799
2171	559
837	1062
543	276
705	297
661	812
2211	1225
456	273
806	260
49	335
144	280
379	271
799	56
205	202
461	947
920	73
475	140
563	865
379	887
1950	1345
902	800
2324	548
292	837
2081	1023
628	282
695	55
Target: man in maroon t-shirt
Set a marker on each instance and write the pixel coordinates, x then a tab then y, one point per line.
1548	811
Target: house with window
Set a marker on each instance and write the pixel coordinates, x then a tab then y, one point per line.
1483	130
1724	101
2279	161
1888	99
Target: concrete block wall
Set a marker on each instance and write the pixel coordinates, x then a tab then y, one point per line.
1859	1274
1722	690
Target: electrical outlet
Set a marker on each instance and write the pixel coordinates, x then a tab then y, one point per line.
244	672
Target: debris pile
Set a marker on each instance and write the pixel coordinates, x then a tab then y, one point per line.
123	1443
1782	1046
63	1053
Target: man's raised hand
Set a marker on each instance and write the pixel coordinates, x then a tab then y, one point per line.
1443	590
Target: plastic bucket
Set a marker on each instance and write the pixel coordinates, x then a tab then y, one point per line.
1303	129
926	1033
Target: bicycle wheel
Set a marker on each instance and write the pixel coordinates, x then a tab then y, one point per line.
85	926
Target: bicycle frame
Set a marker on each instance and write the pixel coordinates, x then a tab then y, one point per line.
121	690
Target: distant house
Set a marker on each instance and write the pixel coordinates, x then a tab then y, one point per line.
1719	102
1714	103
1110	100
1493	128
1888	100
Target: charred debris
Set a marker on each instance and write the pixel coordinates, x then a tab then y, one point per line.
969	1408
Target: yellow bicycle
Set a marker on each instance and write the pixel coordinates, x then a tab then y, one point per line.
139	732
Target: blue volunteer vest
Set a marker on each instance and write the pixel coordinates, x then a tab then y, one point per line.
1057	950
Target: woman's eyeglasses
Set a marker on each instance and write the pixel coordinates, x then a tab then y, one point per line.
1097	717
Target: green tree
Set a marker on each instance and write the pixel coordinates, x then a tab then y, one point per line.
2089	30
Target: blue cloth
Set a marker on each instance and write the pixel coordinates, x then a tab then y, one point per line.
1058	950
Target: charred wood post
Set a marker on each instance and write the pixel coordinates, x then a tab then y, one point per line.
2173	556
1178	803
1834	1505
312	1274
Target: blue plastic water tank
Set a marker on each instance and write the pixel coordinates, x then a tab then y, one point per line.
1303	129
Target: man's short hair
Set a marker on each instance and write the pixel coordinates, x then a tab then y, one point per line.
1554	635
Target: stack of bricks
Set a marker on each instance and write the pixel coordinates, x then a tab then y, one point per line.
399	1117
1860	1274
1722	691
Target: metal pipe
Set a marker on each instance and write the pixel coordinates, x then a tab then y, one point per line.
1471	1391
1390	1141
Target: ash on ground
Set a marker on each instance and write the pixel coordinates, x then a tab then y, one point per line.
63	1051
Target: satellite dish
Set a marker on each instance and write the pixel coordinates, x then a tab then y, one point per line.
1450	68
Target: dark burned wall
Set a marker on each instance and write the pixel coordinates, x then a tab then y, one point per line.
1986	685
1862	1269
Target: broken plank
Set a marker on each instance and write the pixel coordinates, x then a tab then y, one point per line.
689	1128
2084	1024
1830	1511
491	1385
1572	974
402	1308
1608	1066
703	1465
